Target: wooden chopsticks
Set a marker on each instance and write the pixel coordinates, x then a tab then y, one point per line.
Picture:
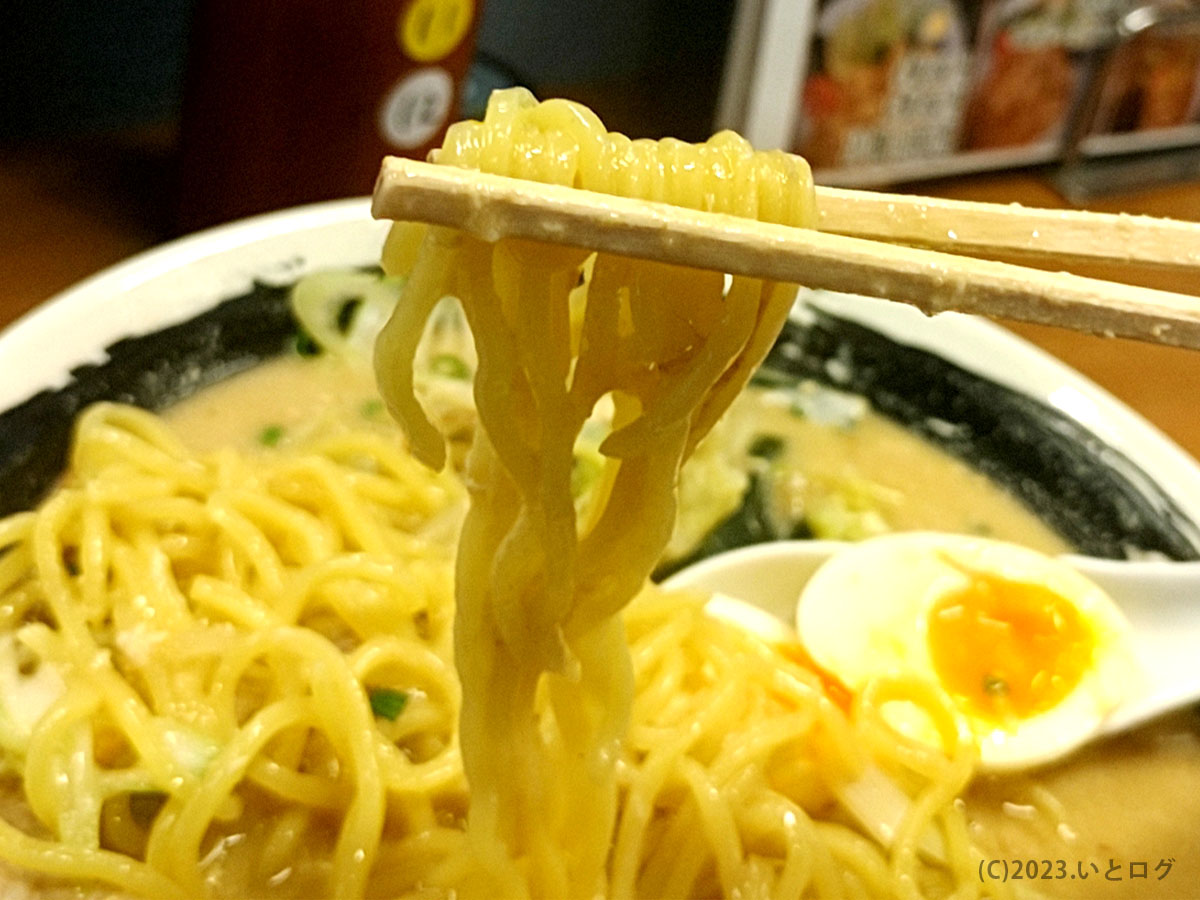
1046	236
494	207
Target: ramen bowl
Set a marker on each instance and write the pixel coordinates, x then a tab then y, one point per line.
170	321
176	320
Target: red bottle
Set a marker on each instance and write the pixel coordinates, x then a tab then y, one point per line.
293	101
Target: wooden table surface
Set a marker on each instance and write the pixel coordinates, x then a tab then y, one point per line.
62	218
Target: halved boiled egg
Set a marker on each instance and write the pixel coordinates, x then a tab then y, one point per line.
1032	654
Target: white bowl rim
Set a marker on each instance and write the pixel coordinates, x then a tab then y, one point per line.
182	278
175	281
987	349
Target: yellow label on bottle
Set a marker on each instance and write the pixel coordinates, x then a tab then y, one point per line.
429	30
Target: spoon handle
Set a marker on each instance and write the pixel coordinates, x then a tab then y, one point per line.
1162	603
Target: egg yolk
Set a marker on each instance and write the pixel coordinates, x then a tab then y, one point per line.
833	686
1008	650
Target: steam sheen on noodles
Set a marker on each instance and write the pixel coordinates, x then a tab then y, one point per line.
190	650
234	674
540	647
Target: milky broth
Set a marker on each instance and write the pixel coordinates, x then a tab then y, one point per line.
276	402
910	484
1130	800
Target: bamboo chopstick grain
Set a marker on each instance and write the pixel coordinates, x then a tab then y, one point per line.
1047	236
492	207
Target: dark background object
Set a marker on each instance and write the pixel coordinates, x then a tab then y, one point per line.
285	100
80	68
216	109
649	68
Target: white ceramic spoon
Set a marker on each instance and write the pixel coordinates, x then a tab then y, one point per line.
758	588
1160	599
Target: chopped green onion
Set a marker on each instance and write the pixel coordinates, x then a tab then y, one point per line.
340	311
449	366
586	470
271	435
70	558
306	345
372	409
346	313
767	377
995	686
767	446
387	703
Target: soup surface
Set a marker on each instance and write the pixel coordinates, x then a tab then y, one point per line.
1118	819
820	462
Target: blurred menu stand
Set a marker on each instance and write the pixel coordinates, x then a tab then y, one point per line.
295	101
876	92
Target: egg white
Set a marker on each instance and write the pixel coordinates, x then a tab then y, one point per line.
865	614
